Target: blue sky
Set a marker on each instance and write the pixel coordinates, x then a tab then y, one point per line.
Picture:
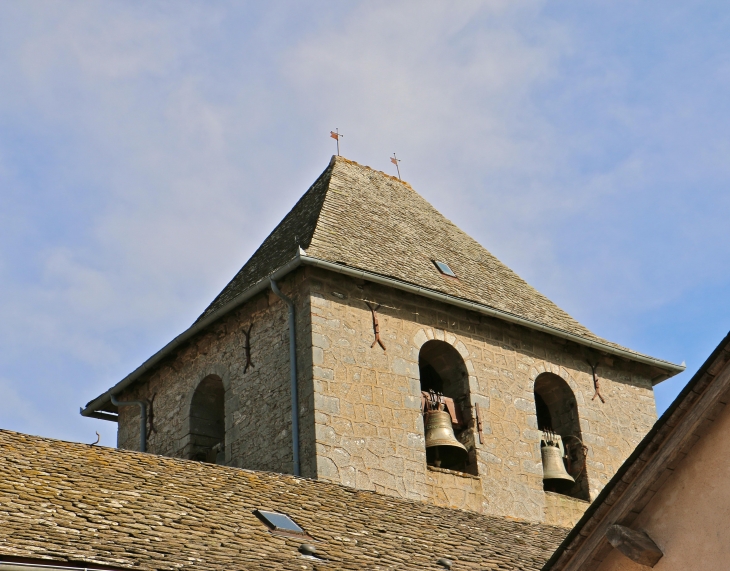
146	149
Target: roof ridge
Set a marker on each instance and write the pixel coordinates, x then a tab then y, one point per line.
385	174
302	217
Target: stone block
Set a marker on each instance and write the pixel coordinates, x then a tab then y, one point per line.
524	405
420	338
318	300
321	341
326	404
532	467
340	457
374	414
342	426
322	373
348	476
415	440
327	469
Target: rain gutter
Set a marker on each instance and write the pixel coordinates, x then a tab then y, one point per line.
492	312
92	408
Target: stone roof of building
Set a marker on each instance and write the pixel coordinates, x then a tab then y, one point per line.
85	504
361	221
651	464
365	219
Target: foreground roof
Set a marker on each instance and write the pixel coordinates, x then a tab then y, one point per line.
653	461
74	502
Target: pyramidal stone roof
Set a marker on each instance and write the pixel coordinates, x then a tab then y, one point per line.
361	218
90	505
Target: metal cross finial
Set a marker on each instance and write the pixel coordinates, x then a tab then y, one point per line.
336	136
395	160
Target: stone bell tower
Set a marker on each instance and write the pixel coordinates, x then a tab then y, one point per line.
364	310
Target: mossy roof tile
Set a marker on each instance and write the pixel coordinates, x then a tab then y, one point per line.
184	514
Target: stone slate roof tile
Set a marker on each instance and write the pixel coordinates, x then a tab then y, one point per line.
371	221
93	505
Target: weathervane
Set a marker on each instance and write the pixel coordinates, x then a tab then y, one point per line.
395	160
336	136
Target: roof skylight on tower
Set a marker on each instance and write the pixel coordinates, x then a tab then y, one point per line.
444	268
278	522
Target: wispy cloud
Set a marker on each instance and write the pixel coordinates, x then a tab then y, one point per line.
147	149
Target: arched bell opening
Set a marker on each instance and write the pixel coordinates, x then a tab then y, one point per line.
207	422
446	408
561	447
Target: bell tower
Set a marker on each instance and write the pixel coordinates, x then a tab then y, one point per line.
420	365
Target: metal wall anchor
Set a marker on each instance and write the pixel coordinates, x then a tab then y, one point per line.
376	326
151	415
247	348
595	383
479	422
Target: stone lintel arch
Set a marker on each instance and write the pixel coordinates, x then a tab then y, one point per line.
444	366
426	334
206	417
216	370
557	412
541	367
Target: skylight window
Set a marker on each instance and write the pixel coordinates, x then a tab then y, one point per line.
278	522
444	268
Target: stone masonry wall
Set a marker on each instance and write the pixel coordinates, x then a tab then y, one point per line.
257	403
360	421
368	426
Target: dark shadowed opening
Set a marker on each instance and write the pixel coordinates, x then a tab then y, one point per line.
557	411
207	422
443	370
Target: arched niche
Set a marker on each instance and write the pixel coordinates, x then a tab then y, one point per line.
557	411
442	370
207	421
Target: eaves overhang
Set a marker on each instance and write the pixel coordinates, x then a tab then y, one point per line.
92	409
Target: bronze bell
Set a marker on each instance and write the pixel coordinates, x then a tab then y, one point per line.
442	447
553	467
